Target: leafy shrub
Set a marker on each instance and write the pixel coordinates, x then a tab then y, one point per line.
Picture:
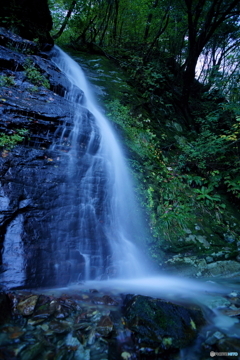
166	196
9	141
34	75
214	153
6	80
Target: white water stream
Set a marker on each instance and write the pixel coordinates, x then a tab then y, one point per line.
107	178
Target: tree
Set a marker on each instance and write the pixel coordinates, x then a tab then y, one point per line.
64	24
204	18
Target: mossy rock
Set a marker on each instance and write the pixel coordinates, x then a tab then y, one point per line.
161	325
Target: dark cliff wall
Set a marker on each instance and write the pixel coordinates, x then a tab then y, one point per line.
30	19
31	172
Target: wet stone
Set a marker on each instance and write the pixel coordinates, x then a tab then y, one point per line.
99	351
26	307
160	324
70	304
105	326
60	327
147	329
29	337
61	312
53	306
16	334
217	302
214	338
105	300
92	336
81	337
32	351
95	316
230	312
234	298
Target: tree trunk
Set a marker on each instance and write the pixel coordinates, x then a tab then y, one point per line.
149	21
64	24
159	33
115	21
197	39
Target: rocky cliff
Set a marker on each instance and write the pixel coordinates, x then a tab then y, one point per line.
32	172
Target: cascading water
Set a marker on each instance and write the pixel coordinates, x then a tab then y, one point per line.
101	216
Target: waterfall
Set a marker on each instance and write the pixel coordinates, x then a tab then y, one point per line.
101	215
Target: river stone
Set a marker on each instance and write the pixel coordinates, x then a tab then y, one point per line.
222	268
160	324
27	306
31	351
217	302
105	326
60	327
198	239
217	335
79	352
105	300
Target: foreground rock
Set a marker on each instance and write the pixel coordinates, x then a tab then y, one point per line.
129	327
160	326
44	326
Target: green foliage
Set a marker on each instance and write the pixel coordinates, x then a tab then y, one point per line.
34	75
183	135
202	151
33	89
205	193
6	80
139	137
9	141
177	196
233	184
214	152
166	196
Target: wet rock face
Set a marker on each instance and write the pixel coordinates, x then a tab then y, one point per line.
33	173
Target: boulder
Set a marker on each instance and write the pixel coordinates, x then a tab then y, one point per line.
27	306
159	325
